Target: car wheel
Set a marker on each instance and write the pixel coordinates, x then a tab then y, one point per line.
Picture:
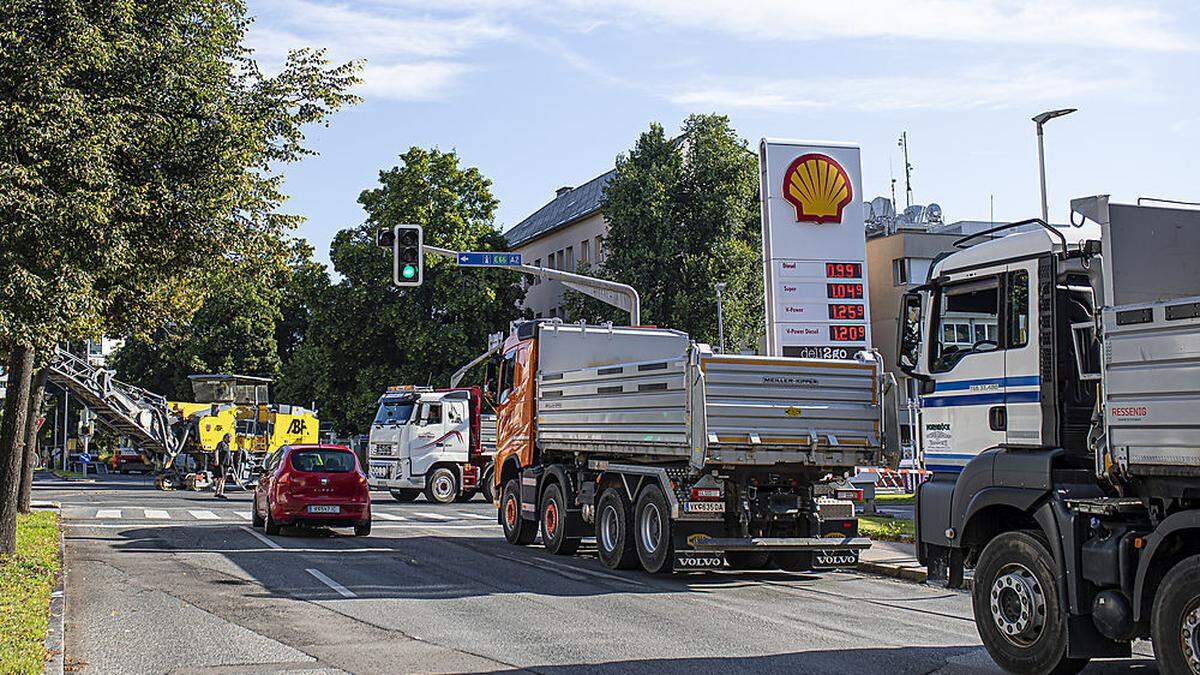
270	525
1175	619
553	519
255	519
747	560
517	530
1017	608
362	529
441	486
614	540
652	533
405	495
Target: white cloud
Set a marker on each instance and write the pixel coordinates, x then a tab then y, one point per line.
972	89
1086	23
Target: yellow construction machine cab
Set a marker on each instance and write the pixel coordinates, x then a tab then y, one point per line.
240	405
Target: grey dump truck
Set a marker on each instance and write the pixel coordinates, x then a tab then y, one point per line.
1064	438
677	458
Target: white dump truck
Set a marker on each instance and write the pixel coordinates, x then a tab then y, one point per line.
436	442
677	458
1064	437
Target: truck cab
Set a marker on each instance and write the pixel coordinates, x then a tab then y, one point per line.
1055	366
430	442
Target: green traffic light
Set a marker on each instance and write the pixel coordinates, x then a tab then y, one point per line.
408	271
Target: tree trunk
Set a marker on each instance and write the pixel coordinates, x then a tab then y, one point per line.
36	393
12	442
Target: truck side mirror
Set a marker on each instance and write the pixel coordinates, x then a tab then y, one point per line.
908	352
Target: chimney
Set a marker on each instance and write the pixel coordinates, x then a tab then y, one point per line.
563	190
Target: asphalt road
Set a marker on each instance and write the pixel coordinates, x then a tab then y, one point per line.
179	582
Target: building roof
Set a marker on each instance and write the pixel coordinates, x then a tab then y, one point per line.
564	209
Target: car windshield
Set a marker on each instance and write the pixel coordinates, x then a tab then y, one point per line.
394	413
323	460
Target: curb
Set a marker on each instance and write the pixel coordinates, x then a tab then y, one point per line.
913	574
55	629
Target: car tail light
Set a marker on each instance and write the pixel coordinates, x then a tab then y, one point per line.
702	494
852	495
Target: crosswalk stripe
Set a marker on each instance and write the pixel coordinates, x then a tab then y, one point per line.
157	514
108	513
432	516
244	515
386	516
204	515
476	516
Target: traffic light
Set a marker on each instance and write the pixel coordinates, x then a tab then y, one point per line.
408	256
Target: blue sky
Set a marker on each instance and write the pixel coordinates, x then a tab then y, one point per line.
543	94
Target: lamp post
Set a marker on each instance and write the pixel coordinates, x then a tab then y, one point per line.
720	286
1041	120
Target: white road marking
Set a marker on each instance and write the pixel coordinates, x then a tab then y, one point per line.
559	571
340	589
386	516
260	537
476	516
157	514
204	515
432	516
594	573
244	515
108	513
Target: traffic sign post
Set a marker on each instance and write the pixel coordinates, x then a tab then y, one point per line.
488	259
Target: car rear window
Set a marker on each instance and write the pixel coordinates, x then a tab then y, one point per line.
321	459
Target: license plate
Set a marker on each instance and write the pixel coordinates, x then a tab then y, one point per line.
322	508
699	561
834	559
379	470
704	507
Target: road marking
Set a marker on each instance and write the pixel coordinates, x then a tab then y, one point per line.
529	563
260	537
108	513
476	516
432	516
157	514
204	515
341	590
244	515
386	516
595	573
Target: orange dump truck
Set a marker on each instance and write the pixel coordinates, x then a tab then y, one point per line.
677	458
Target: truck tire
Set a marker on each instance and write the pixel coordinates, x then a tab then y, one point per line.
441	487
1175	619
517	530
553	519
747	560
405	495
1017	609
652	531
614	536
488	490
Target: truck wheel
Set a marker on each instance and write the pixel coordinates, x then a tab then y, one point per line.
405	495
747	560
1017	609
553	517
442	486
652	533
488	490
1175	619
517	530
614	538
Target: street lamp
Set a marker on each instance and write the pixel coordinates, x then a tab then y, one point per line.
1041	120
720	286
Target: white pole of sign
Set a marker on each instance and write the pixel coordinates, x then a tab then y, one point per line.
814	249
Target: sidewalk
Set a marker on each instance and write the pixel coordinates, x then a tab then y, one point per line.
893	559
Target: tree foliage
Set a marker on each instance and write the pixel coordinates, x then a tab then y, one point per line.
683	214
365	334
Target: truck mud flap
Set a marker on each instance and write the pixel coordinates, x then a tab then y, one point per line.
690	561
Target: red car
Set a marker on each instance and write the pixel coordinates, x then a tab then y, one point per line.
313	485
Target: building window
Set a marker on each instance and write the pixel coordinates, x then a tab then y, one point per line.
583	251
570	258
599	248
910	270
558	260
900	272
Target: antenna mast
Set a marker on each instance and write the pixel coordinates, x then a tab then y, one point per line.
903	143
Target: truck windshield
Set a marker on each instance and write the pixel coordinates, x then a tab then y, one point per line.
394	413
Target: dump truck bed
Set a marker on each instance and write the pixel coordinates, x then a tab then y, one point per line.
669	398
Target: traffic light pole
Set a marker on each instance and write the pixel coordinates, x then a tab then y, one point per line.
621	296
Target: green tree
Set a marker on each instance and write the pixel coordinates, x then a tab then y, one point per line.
683	214
365	334
138	141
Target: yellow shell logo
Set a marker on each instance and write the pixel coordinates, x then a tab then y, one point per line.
818	187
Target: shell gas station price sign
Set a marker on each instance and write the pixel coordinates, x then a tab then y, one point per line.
814	249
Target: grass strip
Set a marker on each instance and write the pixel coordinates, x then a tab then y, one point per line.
26	580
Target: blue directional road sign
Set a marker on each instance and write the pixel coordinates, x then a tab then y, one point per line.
488	259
